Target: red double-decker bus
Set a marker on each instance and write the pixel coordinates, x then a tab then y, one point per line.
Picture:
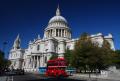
56	68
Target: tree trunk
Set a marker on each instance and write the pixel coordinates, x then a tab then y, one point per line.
89	76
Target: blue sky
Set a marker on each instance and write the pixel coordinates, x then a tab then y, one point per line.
30	17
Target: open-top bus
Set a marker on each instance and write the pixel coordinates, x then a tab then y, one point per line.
56	68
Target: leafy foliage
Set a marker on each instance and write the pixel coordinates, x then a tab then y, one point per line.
54	56
4	63
1	58
88	55
117	59
68	56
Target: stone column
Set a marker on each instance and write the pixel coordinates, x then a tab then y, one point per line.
55	32
49	33
34	62
70	35
43	61
27	62
67	33
38	61
52	32
31	62
46	33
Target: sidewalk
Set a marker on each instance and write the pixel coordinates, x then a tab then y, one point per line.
86	76
3	78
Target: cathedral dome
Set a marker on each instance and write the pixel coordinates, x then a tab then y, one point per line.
57	19
57	27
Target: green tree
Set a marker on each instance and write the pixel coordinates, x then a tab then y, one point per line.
54	56
68	56
1	59
4	63
88	55
117	59
106	56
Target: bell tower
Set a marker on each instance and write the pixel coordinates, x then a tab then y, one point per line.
17	42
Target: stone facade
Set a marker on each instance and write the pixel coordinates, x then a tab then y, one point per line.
57	38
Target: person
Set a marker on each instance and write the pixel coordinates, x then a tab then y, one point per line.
23	71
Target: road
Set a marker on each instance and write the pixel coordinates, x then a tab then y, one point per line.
36	77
